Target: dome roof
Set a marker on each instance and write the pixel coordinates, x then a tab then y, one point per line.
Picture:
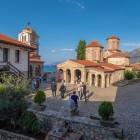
94	44
113	37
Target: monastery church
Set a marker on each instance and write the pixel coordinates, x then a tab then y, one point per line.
100	68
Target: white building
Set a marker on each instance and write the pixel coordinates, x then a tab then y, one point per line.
15	55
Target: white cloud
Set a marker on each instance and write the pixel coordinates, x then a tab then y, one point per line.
67	49
134	44
75	2
53	51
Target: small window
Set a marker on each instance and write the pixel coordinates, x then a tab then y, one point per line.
17	55
5	54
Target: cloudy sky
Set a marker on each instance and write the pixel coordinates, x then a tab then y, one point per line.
62	23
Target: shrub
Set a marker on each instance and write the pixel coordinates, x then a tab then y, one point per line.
29	123
13	103
106	110
128	75
40	97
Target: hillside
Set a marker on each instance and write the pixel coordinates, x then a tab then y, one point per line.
134	55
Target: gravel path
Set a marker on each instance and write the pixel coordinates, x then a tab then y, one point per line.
126	103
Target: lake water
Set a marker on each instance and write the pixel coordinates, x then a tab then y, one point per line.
49	68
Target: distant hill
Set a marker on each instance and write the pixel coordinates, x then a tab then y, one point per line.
134	55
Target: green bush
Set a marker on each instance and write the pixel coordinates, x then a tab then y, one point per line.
13	103
128	75
29	123
40	97
106	110
2	88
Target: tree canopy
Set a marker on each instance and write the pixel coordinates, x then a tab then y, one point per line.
81	50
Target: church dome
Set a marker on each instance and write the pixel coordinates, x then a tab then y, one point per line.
113	37
94	44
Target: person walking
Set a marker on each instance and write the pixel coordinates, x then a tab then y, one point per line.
79	88
53	88
83	93
75	98
64	84
62	90
33	84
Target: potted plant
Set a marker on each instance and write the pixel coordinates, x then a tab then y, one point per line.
39	98
106	112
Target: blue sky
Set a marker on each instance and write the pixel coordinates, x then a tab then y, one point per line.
62	23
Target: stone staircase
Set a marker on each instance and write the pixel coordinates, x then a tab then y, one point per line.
8	68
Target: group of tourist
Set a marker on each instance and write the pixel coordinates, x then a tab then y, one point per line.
35	83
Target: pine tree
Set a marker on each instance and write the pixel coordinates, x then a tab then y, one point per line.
81	50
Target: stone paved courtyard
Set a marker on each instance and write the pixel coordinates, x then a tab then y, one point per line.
126	102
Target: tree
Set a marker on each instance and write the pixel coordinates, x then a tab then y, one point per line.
81	50
12	100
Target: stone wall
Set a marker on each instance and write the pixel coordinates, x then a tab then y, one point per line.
90	129
6	135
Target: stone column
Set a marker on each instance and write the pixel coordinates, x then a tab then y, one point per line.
107	84
64	74
1	56
72	76
103	81
96	81
83	76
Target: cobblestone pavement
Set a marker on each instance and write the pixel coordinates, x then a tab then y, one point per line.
126	103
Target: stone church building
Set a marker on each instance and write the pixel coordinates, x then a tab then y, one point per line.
100	67
36	65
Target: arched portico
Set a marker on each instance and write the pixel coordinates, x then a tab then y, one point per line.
68	76
77	74
93	79
99	80
60	74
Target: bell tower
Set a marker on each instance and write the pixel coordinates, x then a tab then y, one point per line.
29	36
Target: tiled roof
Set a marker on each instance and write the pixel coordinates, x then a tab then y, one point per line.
111	66
86	63
120	54
103	69
136	66
9	40
36	60
34	55
112	37
94	44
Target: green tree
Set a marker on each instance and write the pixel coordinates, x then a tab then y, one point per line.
13	101
81	50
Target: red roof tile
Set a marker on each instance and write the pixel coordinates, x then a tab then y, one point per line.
118	54
34	55
28	28
86	63
112	37
111	66
103	69
9	40
36	60
136	66
94	44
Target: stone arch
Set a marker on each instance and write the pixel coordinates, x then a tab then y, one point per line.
30	70
60	74
78	74
38	70
99	80
93	79
68	76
